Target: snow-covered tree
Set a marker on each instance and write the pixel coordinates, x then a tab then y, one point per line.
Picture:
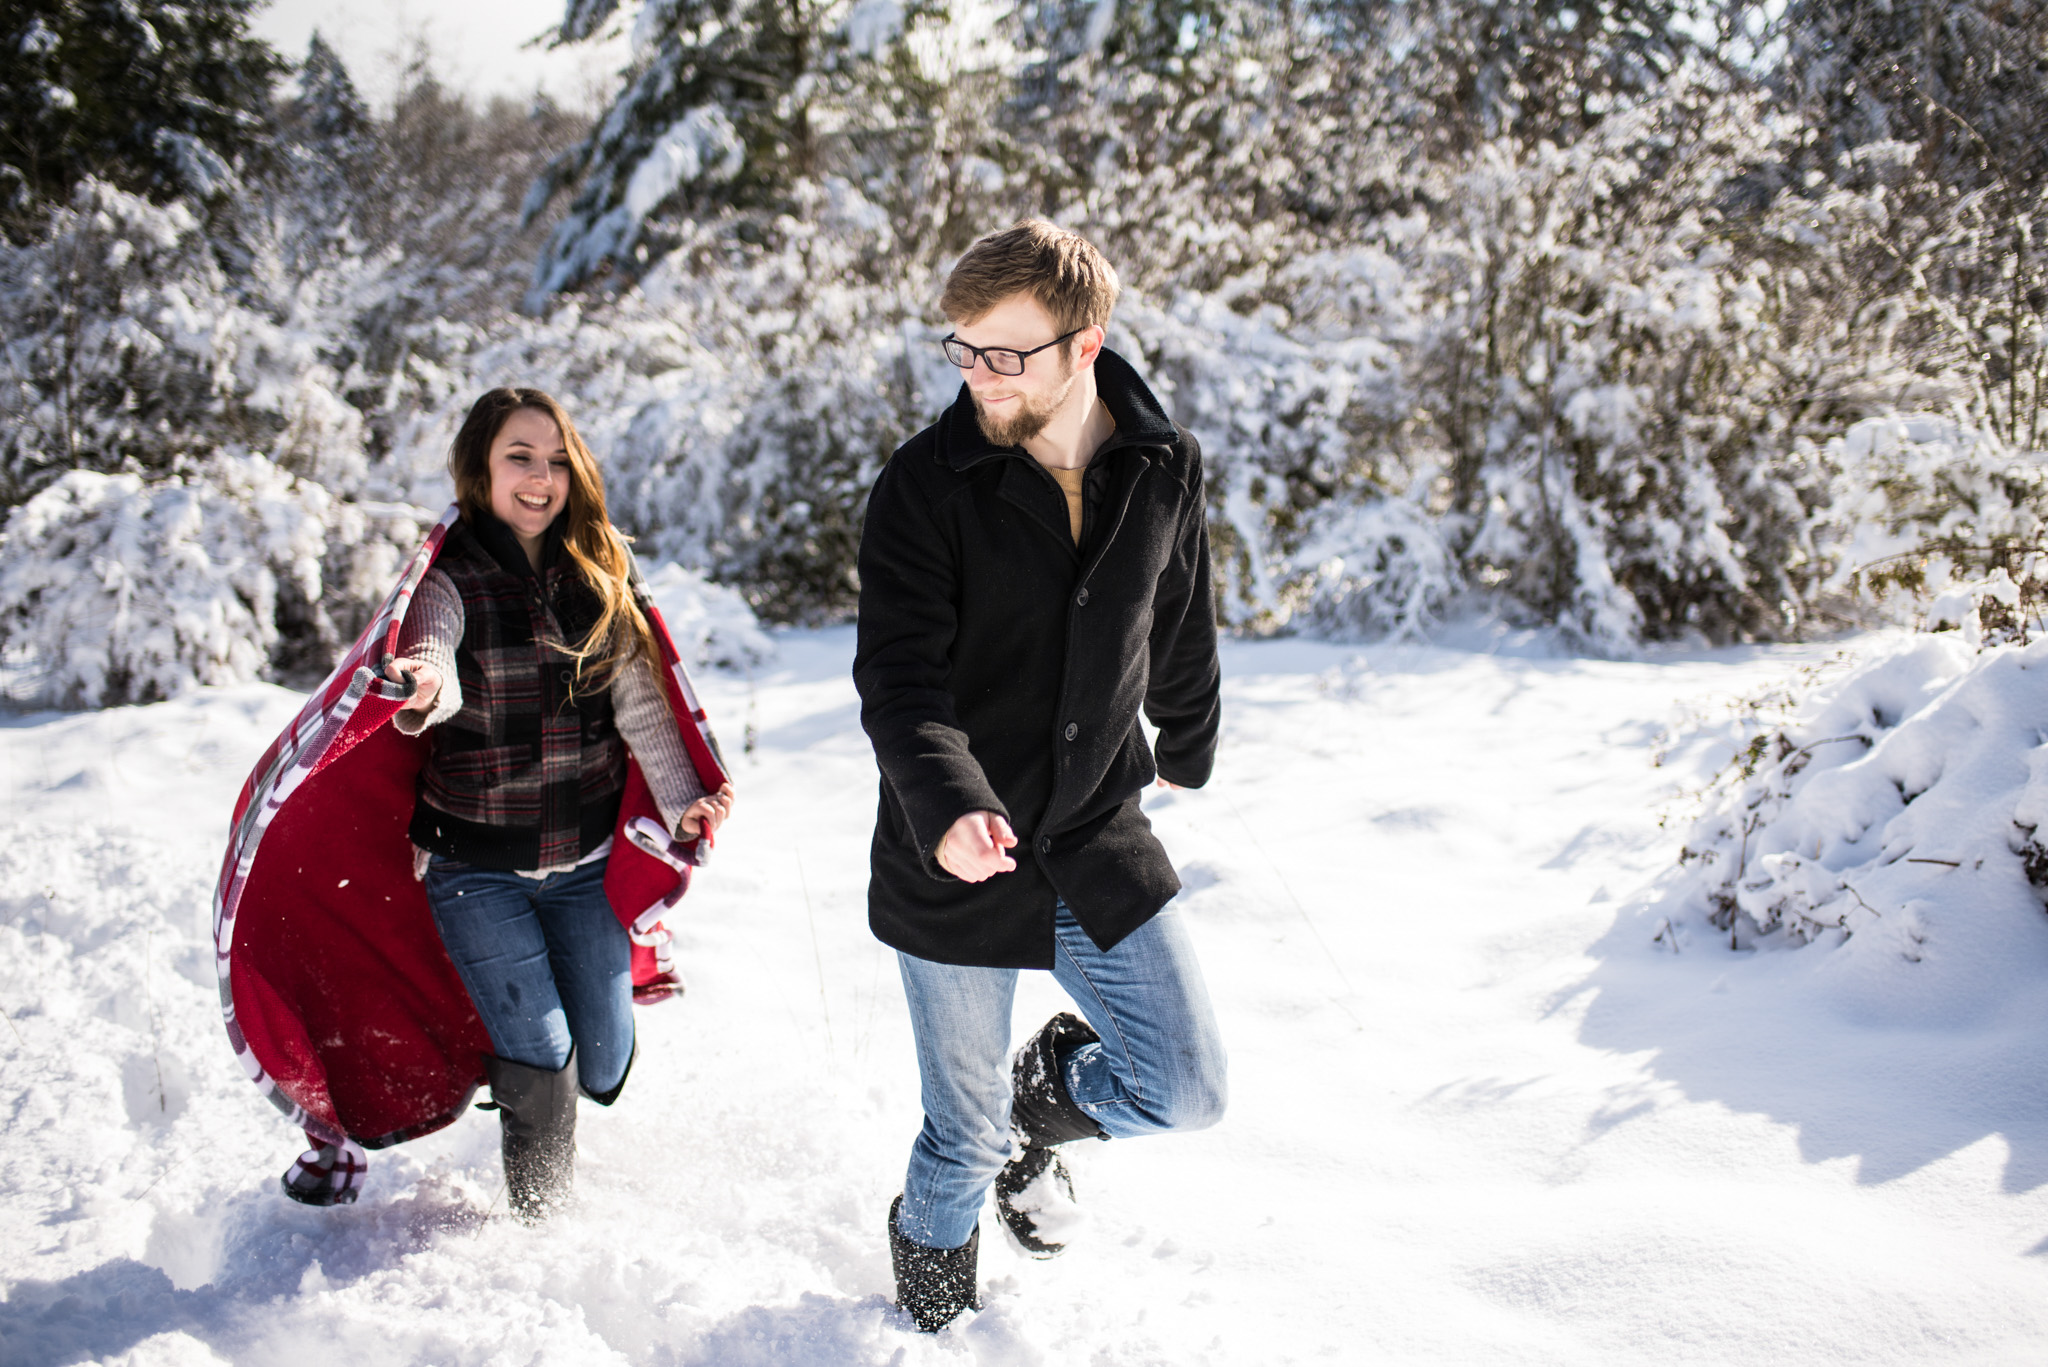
328	111
155	97
1964	81
1464	72
329	125
1955	94
729	107
129	345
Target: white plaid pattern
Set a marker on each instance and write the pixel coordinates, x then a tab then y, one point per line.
327	1174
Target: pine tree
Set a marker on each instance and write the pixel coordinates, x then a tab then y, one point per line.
1532	70
1964	80
729	108
155	97
330	146
1163	130
328	111
1948	101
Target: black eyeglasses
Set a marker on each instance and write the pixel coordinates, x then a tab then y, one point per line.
1002	360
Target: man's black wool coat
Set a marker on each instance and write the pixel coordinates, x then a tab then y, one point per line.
1001	668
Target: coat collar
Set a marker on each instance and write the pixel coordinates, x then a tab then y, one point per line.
1140	421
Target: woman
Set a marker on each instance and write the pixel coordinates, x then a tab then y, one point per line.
535	673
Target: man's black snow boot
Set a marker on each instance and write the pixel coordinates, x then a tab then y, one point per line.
537	1117
933	1284
1043	1115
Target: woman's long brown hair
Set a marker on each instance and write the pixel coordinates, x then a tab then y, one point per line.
594	546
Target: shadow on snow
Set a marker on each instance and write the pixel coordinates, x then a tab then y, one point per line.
1759	1033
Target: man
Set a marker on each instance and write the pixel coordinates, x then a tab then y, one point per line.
1034	568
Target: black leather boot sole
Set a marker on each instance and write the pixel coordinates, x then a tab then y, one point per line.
1018	1175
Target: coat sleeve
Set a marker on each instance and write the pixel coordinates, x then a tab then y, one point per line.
909	596
1184	696
432	630
649	729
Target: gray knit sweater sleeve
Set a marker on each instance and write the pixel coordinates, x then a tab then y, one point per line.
649	728
432	629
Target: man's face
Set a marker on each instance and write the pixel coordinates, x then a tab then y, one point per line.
1012	409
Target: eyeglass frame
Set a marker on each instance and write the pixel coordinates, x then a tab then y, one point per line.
981	353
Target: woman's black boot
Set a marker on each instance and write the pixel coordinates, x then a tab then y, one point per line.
933	1284
537	1115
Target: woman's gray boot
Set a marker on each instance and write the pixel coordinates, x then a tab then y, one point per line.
537	1117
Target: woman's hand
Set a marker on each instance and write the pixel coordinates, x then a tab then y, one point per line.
428	678
706	813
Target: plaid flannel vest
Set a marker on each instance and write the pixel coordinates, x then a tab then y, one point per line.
529	773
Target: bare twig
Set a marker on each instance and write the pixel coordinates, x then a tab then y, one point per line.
1302	911
155	1021
166	1173
817	954
1921	552
750	737
1848	888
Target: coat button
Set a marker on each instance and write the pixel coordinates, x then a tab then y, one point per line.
1081	599
1072	730
1045	844
566	676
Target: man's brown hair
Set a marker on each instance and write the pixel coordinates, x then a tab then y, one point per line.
1061	270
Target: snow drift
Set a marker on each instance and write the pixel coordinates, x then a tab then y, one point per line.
1890	827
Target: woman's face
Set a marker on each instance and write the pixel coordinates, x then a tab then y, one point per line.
529	474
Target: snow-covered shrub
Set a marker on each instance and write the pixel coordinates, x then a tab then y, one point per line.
1276	416
1629	374
1378	567
824	371
1610	369
128	346
115	590
1915	497
1606	383
712	624
1897	798
741	407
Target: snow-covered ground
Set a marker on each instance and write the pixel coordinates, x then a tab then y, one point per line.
1477	1115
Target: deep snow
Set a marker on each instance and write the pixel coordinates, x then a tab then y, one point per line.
1478	1116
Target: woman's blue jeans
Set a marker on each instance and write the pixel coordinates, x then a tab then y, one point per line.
546	962
1159	1067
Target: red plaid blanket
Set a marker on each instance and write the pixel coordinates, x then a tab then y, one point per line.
338	997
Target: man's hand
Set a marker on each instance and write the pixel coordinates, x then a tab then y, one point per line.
706	812
973	850
1175	787
428	677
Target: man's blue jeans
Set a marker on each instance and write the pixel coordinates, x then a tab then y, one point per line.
1159	1066
546	962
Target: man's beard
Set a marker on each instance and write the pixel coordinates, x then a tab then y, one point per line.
1024	424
